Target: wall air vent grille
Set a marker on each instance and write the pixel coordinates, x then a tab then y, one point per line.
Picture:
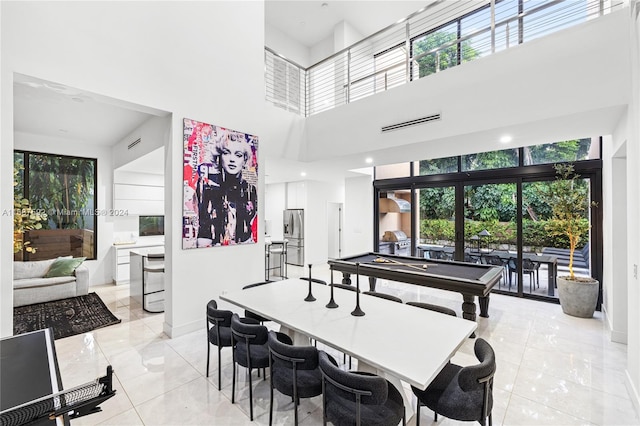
427	119
134	143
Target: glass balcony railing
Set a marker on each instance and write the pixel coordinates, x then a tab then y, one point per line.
442	35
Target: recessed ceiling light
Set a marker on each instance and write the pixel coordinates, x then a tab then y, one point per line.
368	160
303	174
506	139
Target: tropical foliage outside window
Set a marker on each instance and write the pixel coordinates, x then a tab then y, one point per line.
494	206
63	188
445	58
25	218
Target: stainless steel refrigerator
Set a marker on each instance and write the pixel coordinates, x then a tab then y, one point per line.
293	226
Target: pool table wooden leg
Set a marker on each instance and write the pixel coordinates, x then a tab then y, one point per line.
469	309
484	306
372	283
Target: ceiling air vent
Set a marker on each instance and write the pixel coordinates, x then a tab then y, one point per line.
409	123
134	143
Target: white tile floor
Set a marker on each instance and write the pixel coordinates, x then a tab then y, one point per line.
552	369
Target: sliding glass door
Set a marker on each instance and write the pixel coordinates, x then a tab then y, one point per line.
489	207
490	227
436	225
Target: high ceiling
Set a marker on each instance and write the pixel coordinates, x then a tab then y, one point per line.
55	110
58	111
311	21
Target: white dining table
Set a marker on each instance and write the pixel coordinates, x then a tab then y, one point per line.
400	342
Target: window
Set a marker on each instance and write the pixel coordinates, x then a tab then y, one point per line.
439	48
151	225
571	150
438	166
493	210
390	68
65	189
490	160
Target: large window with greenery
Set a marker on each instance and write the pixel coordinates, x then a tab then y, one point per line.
492	207
62	190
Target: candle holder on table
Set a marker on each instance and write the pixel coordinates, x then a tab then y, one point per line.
357	312
310	297
332	303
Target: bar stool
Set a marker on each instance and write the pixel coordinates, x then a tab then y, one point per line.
279	249
153	282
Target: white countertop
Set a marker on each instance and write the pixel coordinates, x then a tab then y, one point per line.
142	242
147	251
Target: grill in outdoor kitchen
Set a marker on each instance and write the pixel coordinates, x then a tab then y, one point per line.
395	242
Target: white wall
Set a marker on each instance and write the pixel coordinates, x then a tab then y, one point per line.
274	204
319	194
284	45
152	135
183	60
321	50
358	215
344	35
482	98
633	206
614	209
100	270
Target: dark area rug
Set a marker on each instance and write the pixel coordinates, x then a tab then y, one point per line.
67	317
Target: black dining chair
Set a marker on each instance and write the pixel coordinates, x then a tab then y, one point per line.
529	268
432	307
492	259
383	296
250	350
294	371
462	393
532	268
249	314
354	397
436	254
218	333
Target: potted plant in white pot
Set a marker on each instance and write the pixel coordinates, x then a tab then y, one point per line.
569	204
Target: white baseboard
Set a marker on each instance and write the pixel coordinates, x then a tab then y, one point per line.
173	332
633	392
619	337
616	335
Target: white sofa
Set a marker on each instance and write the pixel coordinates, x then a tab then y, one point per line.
30	286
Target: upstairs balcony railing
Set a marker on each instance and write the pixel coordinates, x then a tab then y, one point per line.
441	35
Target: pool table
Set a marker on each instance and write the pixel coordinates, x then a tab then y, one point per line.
469	279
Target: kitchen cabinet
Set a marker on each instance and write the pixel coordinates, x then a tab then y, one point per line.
296	195
138	199
121	265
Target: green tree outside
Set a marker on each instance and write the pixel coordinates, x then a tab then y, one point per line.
448	57
494	207
62	187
